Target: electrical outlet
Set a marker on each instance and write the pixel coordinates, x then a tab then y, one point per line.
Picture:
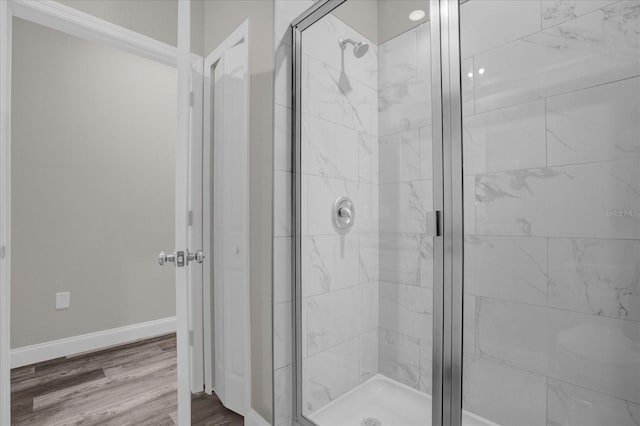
63	300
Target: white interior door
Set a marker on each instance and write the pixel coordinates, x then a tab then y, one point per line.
226	206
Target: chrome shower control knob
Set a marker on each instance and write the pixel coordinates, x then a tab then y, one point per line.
344	214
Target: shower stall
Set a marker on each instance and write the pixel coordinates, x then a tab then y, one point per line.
466	198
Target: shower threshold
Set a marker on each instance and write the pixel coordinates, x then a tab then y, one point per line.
381	401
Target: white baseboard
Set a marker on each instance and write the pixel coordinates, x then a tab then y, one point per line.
91	342
254	419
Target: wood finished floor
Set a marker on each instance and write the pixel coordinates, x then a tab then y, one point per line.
128	385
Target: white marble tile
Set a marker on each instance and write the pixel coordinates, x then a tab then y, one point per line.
343	101
502	394
506	139
469	200
467	85
509	268
425	372
329	263
595	124
320	41
588	350
281	204
285	11
368	352
570	201
283	395
402	258
333	318
368	149
426	153
596	48
405	106
423	55
322	192
400	358
281	269
329	375
397	59
370	301
400	157
282	82
369	258
557	11
487	24
572	405
282	159
368	66
282	335
329	149
600	277
470	326
406	309
403	206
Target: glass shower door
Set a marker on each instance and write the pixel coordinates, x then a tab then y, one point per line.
551	146
365	254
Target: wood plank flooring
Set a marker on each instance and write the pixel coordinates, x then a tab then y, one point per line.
127	385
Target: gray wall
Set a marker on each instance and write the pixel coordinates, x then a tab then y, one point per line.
221	18
93	185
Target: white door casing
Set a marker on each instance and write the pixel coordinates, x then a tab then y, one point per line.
226	221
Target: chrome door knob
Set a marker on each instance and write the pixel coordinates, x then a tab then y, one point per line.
164	258
197	256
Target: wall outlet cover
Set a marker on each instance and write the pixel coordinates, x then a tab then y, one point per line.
63	300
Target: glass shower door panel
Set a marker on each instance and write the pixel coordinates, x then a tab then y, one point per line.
551	141
366	259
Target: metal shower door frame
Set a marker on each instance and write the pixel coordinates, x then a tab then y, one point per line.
447	198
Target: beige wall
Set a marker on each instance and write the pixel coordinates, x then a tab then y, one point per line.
157	19
93	133
221	18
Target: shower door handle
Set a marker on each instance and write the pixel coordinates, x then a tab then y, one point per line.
434	223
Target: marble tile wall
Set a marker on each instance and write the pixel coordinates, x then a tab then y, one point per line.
405	196
552	211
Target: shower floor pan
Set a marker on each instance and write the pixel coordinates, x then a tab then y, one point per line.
381	401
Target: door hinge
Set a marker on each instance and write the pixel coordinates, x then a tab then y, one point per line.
190	218
192	98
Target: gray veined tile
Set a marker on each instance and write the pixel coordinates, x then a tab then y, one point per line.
426	153
368	153
406	259
406	310
283	395
400	157
282	159
400	357
595	124
573	405
558	11
281	269
405	106
510	268
329	263
596	48
487	24
591	351
282	335
369	257
600	277
403	206
595	200
397	59
503	394
329	149
506	139
368	353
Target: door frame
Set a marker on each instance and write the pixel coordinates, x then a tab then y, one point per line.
448	241
54	15
240	34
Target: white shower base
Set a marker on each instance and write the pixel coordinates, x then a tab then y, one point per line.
389	402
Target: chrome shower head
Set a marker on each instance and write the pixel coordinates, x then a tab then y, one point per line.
359	48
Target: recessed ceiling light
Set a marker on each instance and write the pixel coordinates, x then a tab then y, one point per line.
481	71
470	75
417	15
